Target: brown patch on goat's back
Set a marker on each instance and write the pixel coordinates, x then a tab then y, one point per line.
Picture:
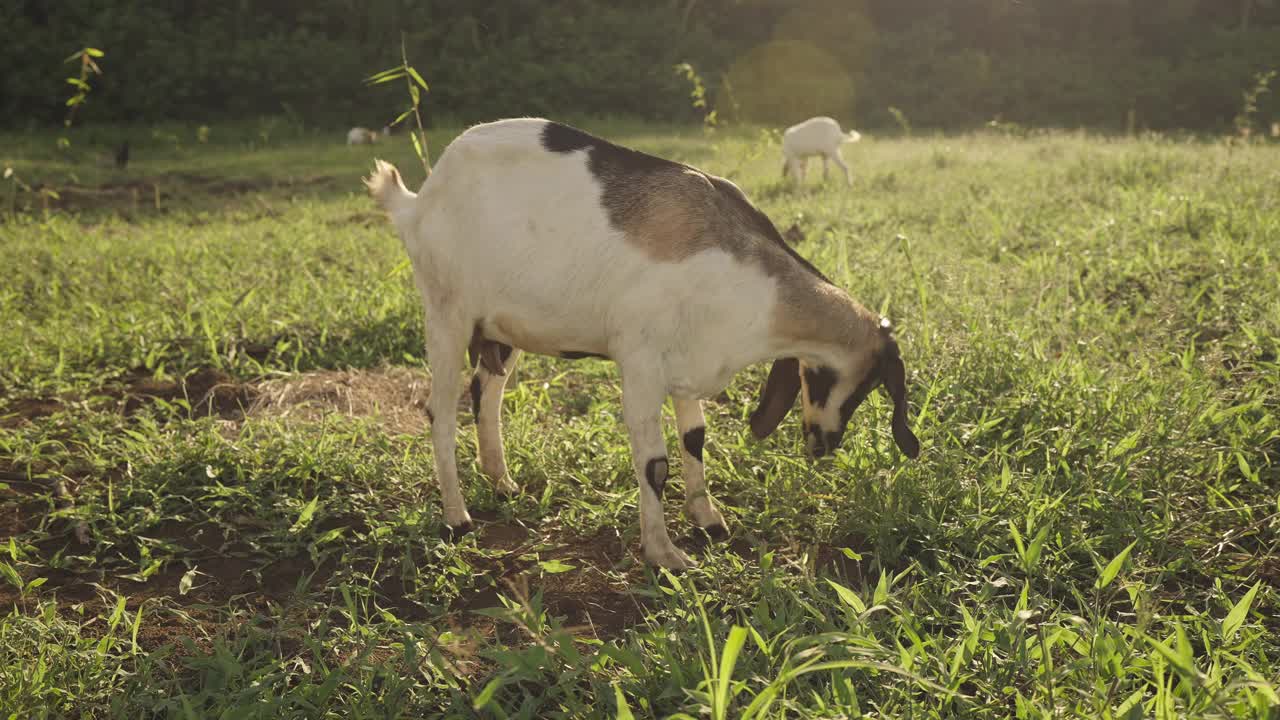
671	211
675	214
669	217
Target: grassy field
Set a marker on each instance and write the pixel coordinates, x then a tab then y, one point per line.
217	496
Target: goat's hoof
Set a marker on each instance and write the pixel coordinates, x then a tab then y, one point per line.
705	517
505	488
671	558
453	534
704	537
717	532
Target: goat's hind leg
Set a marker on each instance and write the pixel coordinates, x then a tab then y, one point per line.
839	160
445	347
486	404
698	505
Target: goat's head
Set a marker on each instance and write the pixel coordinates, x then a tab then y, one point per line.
833	392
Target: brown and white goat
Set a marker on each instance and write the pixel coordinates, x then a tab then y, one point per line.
532	235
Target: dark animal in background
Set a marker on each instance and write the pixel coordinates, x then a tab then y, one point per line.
122	155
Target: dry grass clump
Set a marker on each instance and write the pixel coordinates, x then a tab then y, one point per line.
395	397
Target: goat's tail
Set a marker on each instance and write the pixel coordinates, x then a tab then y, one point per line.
387	188
853	136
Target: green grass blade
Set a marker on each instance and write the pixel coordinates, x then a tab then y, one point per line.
1113	568
620	702
1239	612
849	597
728	659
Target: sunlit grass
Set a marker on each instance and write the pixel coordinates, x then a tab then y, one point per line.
1090	326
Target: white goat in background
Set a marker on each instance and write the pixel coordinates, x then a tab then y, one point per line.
365	136
815	136
532	235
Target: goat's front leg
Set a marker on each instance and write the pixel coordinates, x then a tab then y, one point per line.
642	398
698	505
486	405
824	168
444	352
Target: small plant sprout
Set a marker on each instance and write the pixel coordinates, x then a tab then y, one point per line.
698	95
415	86
1244	120
85	60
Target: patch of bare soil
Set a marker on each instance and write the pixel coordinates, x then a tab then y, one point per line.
593	599
207	391
172	617
27	409
17	517
832	558
395	397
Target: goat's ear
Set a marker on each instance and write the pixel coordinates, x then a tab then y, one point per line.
779	394
894	374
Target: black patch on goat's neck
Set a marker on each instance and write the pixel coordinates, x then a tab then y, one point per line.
693	441
819	382
656	473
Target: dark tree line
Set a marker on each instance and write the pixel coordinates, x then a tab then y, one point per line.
942	63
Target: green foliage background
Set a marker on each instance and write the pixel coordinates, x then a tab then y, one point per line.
954	64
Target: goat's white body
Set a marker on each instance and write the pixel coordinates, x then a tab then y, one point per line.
537	244
816	136
500	215
361	136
